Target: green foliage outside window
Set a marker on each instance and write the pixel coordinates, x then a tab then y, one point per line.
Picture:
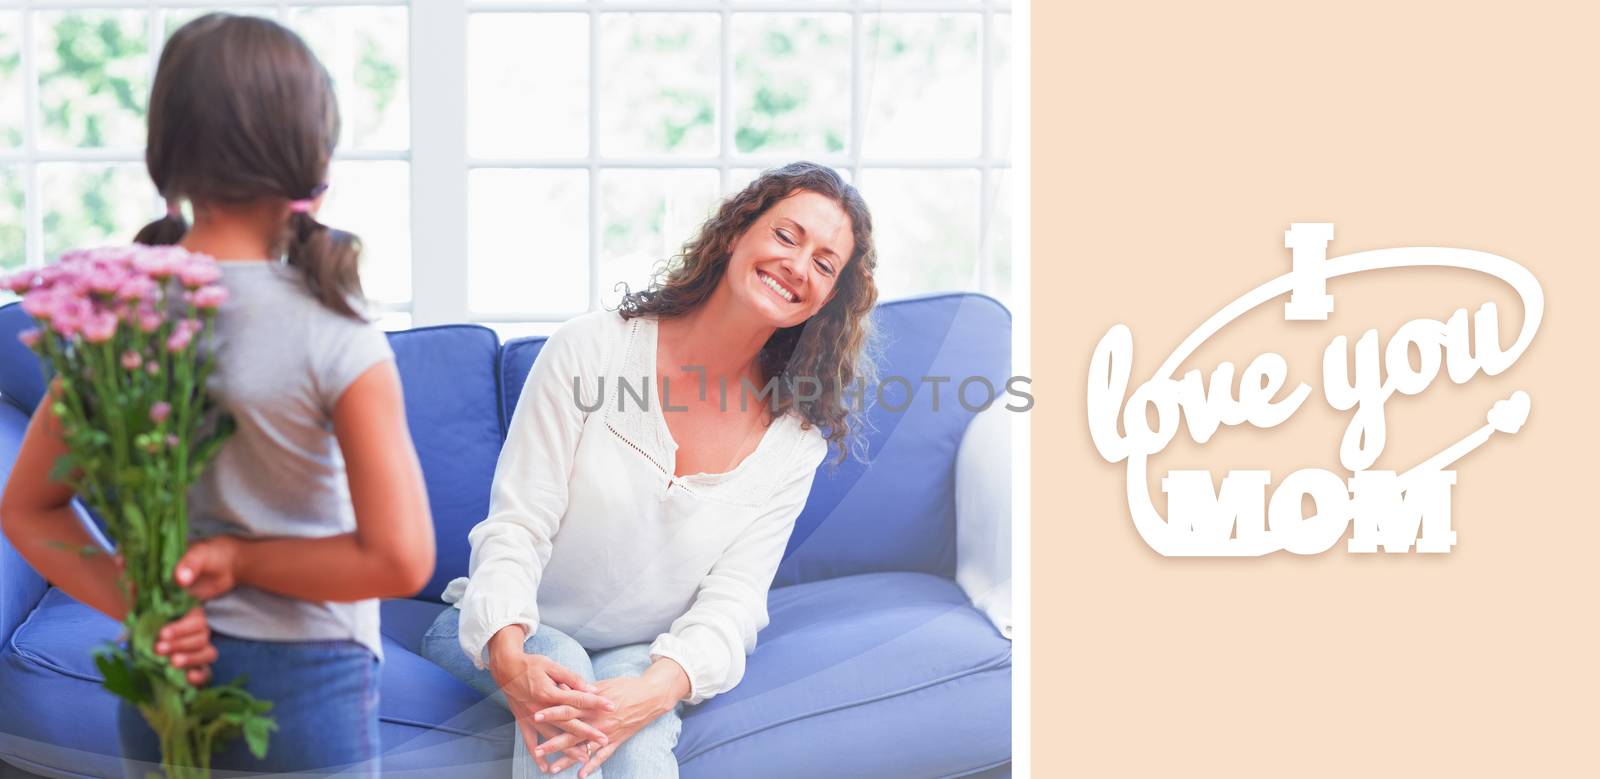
791	97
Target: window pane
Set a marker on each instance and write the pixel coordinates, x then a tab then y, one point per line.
93	78
10	79
528	85
528	241
92	205
997	281
739	178
1001	106
175	18
13	219
512	330
365	51
394	320
925	225
659	88
373	200
649	215
791	83
923	84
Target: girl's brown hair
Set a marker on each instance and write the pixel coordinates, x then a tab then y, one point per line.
242	111
832	347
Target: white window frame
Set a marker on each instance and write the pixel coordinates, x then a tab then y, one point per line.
438	156
30	155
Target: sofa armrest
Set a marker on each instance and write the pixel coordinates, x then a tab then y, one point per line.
20	586
983	515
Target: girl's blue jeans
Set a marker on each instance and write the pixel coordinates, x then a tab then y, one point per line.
324	697
646	755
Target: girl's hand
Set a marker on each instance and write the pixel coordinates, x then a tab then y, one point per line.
186	643
210	567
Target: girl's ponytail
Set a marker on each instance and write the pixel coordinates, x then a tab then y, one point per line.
165	231
242	114
328	260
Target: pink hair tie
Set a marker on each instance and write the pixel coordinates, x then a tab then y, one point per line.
174	209
303	206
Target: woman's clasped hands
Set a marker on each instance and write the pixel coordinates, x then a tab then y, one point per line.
535	686
638	700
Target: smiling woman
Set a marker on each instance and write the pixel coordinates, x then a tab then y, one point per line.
624	565
775	254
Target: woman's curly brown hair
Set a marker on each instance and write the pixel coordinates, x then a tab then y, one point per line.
831	347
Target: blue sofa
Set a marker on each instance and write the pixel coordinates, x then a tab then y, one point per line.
875	664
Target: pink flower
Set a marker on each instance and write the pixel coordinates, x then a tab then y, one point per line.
100	327
152	368
179	340
19	282
172	440
158	262
30	337
198	272
149	319
40	303
70	315
74	256
131	360
210	297
137	288
159	411
183	333
105	279
155	267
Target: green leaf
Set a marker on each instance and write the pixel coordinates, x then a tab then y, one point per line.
256	733
63	467
208	448
145	629
117	677
132	514
121	678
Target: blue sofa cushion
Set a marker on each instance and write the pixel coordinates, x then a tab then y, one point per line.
20	587
860	672
21	372
452	395
898	513
428	720
516	362
63	719
876	675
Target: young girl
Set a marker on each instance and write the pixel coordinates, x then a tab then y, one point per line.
315	507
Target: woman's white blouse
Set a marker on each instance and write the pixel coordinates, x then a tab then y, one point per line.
589	532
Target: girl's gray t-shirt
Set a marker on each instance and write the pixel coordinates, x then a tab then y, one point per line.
283	360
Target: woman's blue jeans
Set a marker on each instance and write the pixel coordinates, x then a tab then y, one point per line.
646	755
324	697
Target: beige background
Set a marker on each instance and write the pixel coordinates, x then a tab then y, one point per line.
1172	145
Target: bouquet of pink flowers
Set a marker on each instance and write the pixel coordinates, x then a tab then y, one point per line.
121	329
